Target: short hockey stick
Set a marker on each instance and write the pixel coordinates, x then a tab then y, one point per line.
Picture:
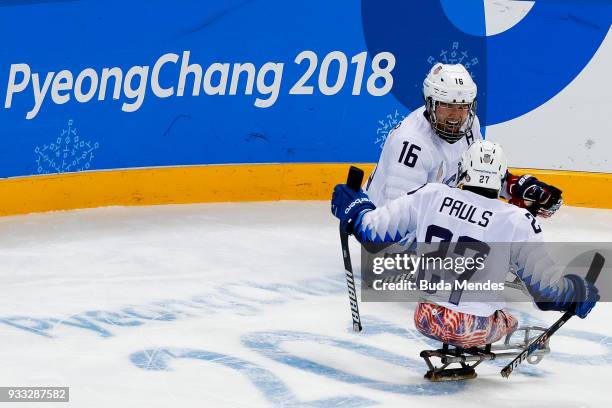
594	270
354	180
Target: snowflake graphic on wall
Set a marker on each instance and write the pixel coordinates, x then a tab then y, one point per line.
455	55
68	152
386	125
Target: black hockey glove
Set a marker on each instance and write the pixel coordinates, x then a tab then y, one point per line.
538	197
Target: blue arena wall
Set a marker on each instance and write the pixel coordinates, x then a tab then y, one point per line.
92	85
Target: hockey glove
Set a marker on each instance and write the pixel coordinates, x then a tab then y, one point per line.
348	206
579	297
539	198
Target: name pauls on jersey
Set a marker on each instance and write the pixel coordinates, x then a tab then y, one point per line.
466	212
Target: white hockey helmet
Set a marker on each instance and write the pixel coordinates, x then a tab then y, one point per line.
449	84
483	165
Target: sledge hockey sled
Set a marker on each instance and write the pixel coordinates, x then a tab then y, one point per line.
468	358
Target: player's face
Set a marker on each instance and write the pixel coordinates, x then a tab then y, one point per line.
451	116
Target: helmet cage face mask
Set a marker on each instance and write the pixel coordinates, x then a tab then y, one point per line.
439	128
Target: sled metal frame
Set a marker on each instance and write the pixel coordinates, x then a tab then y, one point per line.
469	358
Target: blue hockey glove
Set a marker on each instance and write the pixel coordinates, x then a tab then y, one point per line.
538	197
579	297
348	205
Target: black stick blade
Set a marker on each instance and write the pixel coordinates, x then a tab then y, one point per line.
595	268
354	178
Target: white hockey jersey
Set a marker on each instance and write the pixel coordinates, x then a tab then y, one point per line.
437	212
414	155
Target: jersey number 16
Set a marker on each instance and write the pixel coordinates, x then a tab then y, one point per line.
408	155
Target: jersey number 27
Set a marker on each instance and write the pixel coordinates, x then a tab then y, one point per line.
463	244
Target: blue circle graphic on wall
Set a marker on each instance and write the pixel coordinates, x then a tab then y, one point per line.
516	70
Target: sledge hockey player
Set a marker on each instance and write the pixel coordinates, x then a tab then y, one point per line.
427	145
436	212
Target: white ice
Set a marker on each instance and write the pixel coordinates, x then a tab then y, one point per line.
245	305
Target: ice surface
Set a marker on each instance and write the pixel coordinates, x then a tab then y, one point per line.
245	305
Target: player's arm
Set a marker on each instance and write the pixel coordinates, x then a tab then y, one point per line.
528	192
550	289
359	216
